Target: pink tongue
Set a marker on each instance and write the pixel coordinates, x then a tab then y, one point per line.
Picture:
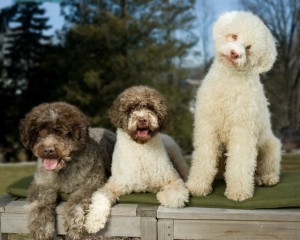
50	164
142	133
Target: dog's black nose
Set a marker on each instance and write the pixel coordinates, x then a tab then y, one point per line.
142	122
49	151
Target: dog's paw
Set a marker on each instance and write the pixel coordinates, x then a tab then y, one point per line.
198	189
174	195
98	213
239	195
267	180
74	222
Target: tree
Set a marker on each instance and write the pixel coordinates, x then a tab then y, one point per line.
283	18
25	43
24	49
126	43
206	17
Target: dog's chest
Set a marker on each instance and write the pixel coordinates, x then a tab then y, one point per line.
74	176
230	100
141	167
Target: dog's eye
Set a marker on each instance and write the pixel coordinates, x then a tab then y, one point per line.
69	134
248	47
234	36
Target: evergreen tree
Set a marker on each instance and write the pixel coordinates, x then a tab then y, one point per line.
25	43
25	46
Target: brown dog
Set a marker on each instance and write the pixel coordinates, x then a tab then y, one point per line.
70	159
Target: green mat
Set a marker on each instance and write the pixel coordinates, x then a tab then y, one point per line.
283	195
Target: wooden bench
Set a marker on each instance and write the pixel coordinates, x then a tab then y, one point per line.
216	223
127	220
152	222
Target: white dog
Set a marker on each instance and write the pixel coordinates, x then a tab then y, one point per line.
232	116
142	158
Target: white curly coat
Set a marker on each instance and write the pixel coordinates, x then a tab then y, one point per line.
232	115
138	168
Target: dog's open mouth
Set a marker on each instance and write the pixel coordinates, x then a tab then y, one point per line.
50	163
143	133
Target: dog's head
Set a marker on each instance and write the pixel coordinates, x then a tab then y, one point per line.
140	111
53	132
243	42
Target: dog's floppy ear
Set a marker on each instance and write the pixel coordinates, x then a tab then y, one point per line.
79	125
27	131
267	57
114	114
80	132
161	110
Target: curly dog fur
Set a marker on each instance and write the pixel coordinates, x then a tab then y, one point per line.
71	159
232	115
142	158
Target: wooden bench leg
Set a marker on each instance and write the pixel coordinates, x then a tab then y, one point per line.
148	228
4	200
148	221
4	236
165	229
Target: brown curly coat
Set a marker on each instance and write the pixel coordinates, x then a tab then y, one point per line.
61	131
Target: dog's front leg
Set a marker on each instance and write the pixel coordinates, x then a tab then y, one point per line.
241	164
75	212
99	208
42	216
204	160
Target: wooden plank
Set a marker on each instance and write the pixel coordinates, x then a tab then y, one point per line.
146	210
17	223
116	226
123	219
124	210
232	214
14	223
243	230
17	206
20	206
165	229
4	200
148	228
121	226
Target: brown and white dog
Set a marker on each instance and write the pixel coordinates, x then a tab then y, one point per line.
70	159
144	160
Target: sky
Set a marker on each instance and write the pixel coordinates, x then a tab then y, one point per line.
56	20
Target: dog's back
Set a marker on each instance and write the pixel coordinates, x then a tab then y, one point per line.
176	156
106	139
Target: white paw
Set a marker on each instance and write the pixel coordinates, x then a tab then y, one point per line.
174	195
98	213
236	194
198	189
267	180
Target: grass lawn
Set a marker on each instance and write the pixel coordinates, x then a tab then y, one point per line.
10	173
